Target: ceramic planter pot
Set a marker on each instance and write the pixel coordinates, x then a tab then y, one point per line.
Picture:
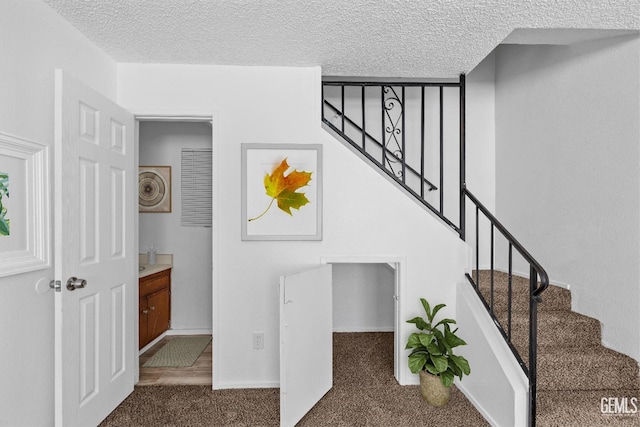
432	389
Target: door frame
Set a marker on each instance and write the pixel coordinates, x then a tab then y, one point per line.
191	116
399	264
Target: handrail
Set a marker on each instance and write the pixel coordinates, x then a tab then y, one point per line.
432	187
399	84
544	278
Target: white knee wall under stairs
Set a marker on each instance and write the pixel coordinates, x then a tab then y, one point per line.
497	386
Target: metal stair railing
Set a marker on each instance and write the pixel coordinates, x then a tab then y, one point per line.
391	157
536	288
349	103
385	140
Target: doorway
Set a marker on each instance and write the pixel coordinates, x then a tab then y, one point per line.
367	298
163	141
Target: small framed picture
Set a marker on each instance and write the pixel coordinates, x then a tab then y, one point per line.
281	192
154	189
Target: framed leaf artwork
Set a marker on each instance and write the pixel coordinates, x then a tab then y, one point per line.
281	192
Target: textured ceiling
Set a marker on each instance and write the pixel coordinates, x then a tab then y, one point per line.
389	38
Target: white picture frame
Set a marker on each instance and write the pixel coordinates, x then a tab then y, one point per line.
263	221
27	246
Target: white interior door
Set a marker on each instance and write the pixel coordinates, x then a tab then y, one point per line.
306	342
95	198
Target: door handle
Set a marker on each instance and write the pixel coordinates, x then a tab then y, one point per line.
74	283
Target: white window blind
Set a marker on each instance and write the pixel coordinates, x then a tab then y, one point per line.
196	187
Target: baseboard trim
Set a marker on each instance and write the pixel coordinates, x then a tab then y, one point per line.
236	385
174	332
152	343
188	332
364	329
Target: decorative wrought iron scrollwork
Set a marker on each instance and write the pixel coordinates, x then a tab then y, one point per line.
393	129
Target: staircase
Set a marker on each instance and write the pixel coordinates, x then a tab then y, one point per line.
575	372
406	130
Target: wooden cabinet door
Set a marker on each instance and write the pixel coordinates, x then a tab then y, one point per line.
143	321
158	315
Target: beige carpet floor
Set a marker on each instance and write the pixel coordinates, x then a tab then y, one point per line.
365	393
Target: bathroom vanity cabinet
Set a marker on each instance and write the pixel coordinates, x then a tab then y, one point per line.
154	306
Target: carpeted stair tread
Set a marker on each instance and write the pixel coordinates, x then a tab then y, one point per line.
582	408
595	368
553	298
555	329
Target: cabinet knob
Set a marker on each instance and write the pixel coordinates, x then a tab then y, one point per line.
145	311
152	308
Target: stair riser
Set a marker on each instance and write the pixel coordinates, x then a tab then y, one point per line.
556	299
553	298
553	333
596	373
585	408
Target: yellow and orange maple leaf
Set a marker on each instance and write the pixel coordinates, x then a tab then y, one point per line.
283	188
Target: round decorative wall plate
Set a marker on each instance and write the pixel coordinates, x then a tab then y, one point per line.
154	189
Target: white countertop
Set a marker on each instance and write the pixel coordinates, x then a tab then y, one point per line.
163	262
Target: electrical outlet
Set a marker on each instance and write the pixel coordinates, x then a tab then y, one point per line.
258	340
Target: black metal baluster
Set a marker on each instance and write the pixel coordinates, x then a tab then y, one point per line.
383	138
322	101
441	108
533	344
364	132
492	282
344	113
510	291
477	247
404	162
422	143
462	155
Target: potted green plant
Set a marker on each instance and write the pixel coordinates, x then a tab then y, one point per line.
432	355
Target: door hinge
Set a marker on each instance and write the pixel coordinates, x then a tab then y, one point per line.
56	285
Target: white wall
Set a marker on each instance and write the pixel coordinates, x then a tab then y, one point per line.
363	297
161	144
568	172
480	153
35	41
363	213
